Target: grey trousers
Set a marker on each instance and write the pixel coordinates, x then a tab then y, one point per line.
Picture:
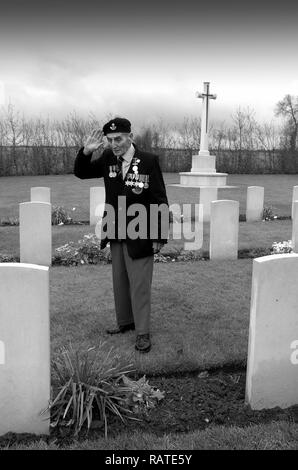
132	279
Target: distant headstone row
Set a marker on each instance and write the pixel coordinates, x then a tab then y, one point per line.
223	215
254	202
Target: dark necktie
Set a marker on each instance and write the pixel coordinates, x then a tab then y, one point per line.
120	160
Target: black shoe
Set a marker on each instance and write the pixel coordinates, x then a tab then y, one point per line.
121	329
143	343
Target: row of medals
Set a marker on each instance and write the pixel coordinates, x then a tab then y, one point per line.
139	182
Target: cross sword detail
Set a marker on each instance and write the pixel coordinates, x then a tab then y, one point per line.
208	97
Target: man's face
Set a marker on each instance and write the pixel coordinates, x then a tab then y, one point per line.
119	142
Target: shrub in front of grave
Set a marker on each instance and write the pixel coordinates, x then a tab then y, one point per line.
268	213
60	216
9	258
90	251
246	253
86	251
282	247
169	254
10	221
141	397
89	386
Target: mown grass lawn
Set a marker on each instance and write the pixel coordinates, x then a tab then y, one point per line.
69	191
273	436
251	235
200	313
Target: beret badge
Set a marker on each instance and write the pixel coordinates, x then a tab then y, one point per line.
113	127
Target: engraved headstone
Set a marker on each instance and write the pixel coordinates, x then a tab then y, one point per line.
40	194
36	233
224	229
272	367
24	348
97	201
254	203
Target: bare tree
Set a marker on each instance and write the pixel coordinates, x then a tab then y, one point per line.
288	108
244	129
190	132
13	126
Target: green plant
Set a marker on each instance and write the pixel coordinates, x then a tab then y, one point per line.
86	251
141	395
9	258
268	213
60	216
10	221
89	386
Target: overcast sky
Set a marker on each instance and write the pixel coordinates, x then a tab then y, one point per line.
146	60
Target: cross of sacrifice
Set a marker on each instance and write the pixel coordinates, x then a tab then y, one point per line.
206	96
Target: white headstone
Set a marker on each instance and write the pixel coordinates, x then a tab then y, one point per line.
272	368
254	203
207	195
40	194
36	233
295	227
294	197
24	348
224	229
97	201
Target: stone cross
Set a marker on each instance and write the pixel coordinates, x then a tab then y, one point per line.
206	96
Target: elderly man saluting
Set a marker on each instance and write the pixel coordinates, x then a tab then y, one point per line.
131	176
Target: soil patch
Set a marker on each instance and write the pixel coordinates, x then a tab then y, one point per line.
196	401
192	401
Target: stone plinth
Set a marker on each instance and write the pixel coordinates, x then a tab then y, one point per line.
193	230
207	195
24	348
203	173
272	365
205	164
197	179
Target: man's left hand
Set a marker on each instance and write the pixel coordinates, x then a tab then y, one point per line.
157	247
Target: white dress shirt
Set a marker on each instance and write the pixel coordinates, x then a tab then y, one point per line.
127	158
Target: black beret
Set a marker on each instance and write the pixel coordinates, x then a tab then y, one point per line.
117	125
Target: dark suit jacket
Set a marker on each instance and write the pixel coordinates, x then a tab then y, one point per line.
85	168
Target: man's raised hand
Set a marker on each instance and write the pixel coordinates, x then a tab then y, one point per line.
93	142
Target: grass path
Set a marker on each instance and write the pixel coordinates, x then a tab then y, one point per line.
273	436
200	314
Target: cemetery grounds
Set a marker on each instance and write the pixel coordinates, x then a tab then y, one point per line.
199	325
